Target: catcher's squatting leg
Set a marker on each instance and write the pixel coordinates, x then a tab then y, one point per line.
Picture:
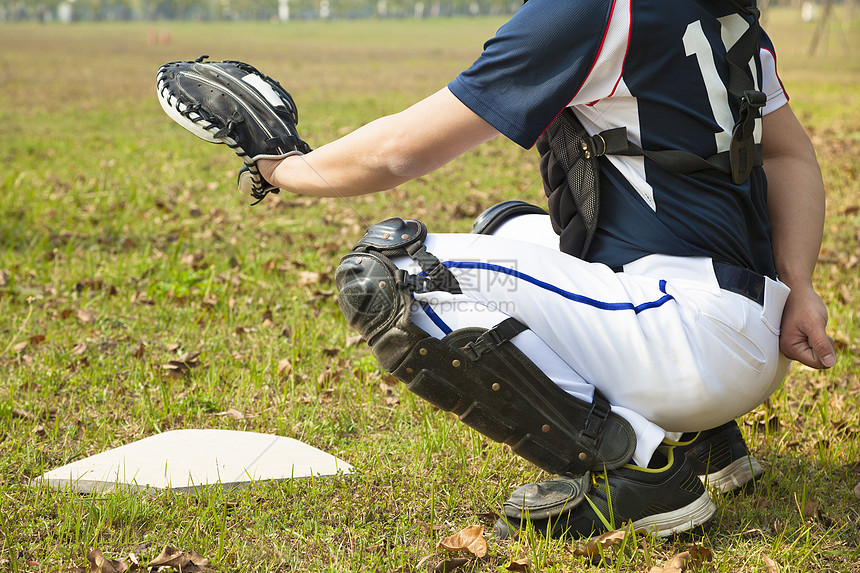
477	373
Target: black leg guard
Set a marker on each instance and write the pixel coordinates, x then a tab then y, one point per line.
484	379
487	222
506	397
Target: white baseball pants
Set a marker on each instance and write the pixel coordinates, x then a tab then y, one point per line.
670	350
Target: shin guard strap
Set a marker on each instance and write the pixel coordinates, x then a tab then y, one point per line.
494	337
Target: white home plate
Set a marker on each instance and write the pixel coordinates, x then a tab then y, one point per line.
185	459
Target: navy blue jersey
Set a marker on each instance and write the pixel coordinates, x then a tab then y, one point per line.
659	68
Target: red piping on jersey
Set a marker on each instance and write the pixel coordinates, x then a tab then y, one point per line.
594	62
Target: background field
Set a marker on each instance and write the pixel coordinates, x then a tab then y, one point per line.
124	246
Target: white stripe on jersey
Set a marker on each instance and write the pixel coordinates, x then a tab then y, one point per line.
593	103
606	72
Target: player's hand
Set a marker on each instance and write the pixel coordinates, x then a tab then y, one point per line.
803	336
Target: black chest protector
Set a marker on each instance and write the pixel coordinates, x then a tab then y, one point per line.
569	155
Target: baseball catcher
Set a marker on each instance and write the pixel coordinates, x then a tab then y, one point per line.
613	339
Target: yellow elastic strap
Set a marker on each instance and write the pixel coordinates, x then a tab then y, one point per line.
669	442
669	452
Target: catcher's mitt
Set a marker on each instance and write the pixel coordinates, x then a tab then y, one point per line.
233	103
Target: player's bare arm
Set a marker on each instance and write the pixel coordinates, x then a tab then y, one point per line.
386	152
796	208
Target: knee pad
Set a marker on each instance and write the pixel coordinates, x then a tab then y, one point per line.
376	297
476	373
487	222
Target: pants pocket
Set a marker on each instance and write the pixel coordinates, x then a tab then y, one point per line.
733	341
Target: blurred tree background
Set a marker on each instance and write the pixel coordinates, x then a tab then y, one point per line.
113	10
283	10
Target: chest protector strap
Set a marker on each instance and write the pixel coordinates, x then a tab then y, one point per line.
570	168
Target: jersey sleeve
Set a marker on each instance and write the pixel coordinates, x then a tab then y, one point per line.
534	66
771	84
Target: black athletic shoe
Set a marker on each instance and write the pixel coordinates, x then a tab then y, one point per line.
720	457
661	501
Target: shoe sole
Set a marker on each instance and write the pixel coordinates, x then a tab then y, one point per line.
684	519
734	476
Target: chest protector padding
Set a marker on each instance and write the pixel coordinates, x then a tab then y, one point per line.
571	181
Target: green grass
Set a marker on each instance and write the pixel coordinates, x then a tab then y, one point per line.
109	207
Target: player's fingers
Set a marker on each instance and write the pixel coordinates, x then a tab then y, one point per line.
801	353
824	350
815	351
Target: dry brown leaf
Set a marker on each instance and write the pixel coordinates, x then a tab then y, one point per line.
488	516
232	413
677	564
270	265
22	413
140	297
772	566
191	562
391	398
810	509
699	555
139	351
354	340
175	366
376	547
424	526
327	376
450	564
285	367
308	278
594	546
182	364
191	357
100	564
469	539
79	349
85	315
857	490
520	564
